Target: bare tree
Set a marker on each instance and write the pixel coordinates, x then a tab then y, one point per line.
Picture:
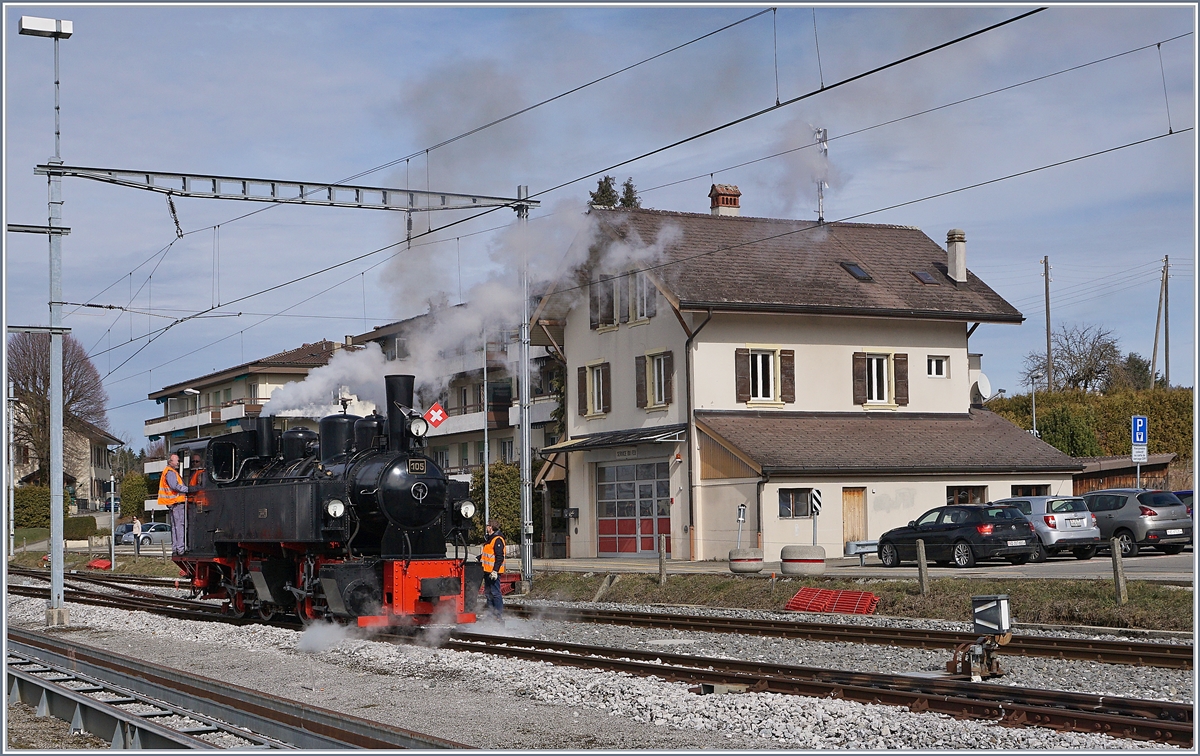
1084	358
84	397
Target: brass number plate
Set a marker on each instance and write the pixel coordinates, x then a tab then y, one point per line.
416	467
262	514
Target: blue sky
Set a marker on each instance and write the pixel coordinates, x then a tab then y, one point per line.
323	93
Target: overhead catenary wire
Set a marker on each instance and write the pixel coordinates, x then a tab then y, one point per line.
729	124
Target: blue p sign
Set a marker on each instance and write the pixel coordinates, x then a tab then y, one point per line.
1140	429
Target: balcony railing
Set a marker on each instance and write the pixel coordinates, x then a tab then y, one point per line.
209	408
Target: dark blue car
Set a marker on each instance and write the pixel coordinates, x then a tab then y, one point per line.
961	535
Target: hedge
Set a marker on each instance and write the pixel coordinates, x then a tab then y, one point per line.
78	528
1107	417
31	507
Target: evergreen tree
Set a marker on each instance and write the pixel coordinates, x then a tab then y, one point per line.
629	195
605	194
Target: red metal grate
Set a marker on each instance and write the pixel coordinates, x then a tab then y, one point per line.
99	564
825	600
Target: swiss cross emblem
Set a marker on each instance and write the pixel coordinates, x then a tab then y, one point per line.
435	415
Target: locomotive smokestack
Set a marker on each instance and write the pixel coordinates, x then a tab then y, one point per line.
399	395
265	426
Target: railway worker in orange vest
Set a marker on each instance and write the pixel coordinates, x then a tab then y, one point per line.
492	559
172	494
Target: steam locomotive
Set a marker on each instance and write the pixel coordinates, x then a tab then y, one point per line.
351	524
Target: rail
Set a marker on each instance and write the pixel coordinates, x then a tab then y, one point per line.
259	719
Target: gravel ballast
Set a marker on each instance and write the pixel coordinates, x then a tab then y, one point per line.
490	702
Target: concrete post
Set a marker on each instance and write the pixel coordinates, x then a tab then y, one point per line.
662	560
1118	572
922	568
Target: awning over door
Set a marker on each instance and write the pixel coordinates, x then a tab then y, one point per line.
659	434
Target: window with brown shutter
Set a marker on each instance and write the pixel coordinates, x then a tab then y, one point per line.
860	377
594	304
741	374
900	368
668	378
622	285
787	375
606	386
639	377
583	391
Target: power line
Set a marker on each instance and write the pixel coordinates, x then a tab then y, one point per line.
672	145
921	112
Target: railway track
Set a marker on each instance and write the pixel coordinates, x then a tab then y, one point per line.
1158	721
1168	655
134	704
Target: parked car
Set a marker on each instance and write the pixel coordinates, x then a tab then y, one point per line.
1061	522
152	532
111	503
962	534
1139	517
1186	498
122	529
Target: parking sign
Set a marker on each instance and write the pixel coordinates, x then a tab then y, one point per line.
1140	429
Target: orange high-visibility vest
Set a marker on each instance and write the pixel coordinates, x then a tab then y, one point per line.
166	496
488	555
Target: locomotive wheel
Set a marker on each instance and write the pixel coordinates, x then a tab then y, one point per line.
266	612
302	613
236	607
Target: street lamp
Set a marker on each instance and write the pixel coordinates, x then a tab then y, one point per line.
56	612
1033	379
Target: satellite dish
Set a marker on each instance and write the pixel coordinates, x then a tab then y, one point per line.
984	386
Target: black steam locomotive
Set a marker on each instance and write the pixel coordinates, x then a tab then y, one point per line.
352	523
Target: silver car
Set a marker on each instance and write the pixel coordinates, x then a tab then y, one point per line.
152	532
1138	517
1061	522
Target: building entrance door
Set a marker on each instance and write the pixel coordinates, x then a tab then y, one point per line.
854	514
633	504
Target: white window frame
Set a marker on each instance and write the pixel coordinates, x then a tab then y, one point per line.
595	376
935	361
764	384
879	379
643	290
507	450
658	380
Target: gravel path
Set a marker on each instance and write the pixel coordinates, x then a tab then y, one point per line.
490	702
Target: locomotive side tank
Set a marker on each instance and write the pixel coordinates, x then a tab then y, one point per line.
351	523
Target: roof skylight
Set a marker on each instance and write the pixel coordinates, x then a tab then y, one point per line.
857	271
924	277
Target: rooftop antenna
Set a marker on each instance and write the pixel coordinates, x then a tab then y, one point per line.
822	139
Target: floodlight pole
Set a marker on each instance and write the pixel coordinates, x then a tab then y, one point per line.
523	383
56	612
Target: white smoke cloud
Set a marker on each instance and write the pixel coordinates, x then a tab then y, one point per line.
360	372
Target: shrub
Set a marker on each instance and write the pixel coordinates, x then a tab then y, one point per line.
31	507
78	528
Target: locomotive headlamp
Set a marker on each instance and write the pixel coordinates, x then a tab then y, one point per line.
418	426
335	508
466	509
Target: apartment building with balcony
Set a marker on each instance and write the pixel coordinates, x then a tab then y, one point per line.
213	404
471	399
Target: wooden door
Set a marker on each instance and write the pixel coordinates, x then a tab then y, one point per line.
854	514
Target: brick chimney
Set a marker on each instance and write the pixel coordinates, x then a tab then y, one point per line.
725	199
956	255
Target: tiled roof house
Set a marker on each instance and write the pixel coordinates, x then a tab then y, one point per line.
753	360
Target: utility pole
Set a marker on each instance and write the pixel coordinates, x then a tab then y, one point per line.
1158	319
1166	322
526	440
12	405
487	449
56	612
1049	352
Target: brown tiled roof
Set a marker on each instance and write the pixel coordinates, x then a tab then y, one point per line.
879	443
306	356
765	264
